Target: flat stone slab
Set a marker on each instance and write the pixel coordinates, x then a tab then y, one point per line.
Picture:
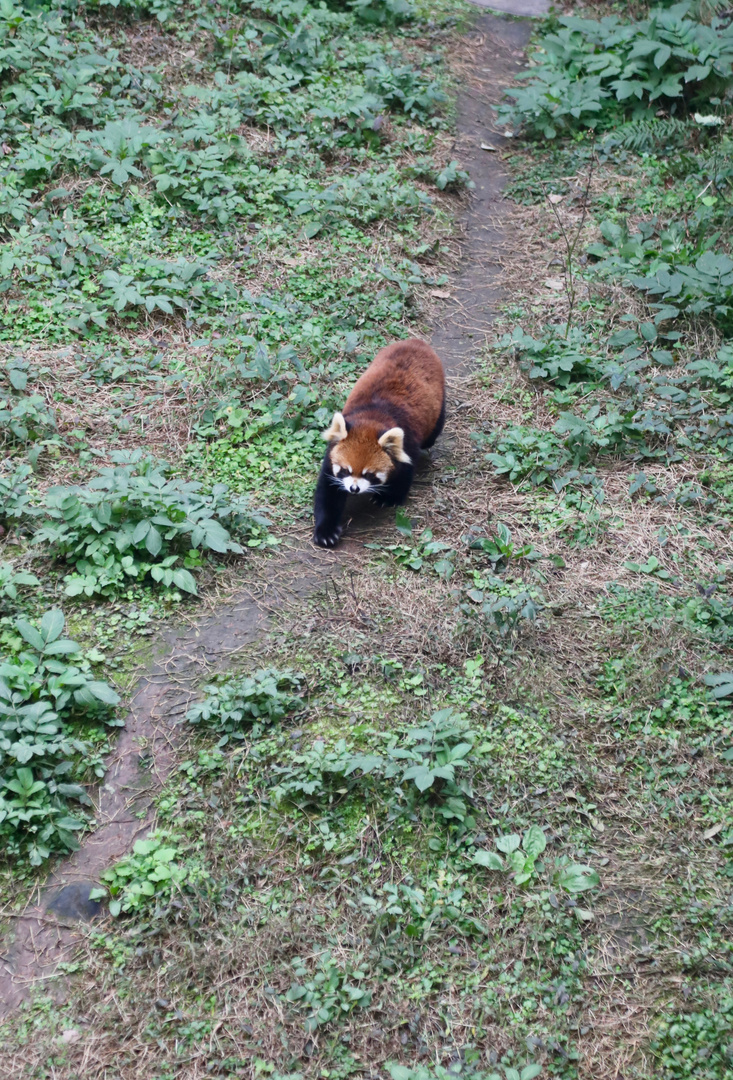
528	8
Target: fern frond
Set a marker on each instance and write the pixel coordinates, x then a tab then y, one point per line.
641	136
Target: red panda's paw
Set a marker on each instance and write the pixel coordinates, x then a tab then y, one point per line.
327	538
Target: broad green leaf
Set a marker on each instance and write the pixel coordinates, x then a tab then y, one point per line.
520	862
165	854
153	541
577	878
63	647
721	685
422	777
183	579
145	847
141	531
534	842
509	843
102	691
216	537
25	778
403	523
71	824
52	624
696	73
662	56
30	634
73	791
489	859
442	716
18	379
400	1072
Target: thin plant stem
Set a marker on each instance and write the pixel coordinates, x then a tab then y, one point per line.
571	243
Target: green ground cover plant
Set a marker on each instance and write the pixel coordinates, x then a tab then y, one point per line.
131	521
634	384
697	1040
465	812
137	200
149	874
597	73
249	703
52	711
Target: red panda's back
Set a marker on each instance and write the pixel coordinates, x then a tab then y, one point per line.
408	374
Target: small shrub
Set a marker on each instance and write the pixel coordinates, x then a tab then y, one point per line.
46	689
150	874
500	609
520	857
422	551
594	73
237	707
15	503
132	522
380	12
11	580
403	88
422	910
329	993
526	454
451	177
499	549
316	777
685	277
559	360
23	417
697	1045
438	1072
429	763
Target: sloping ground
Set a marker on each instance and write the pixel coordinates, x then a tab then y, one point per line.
547	882
44	934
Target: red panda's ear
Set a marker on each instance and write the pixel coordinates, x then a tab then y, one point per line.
337	429
393	441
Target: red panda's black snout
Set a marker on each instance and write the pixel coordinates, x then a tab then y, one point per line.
396	408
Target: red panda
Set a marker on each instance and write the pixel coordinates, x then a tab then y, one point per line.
396	408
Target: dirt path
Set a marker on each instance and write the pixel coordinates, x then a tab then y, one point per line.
46	933
498	46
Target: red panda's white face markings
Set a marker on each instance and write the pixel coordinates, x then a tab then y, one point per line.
361	459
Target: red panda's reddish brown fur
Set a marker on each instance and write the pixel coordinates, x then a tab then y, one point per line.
396	408
407	374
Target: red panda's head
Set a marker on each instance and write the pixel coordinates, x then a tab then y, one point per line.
362	458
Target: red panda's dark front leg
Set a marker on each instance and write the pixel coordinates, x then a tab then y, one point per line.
329	503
